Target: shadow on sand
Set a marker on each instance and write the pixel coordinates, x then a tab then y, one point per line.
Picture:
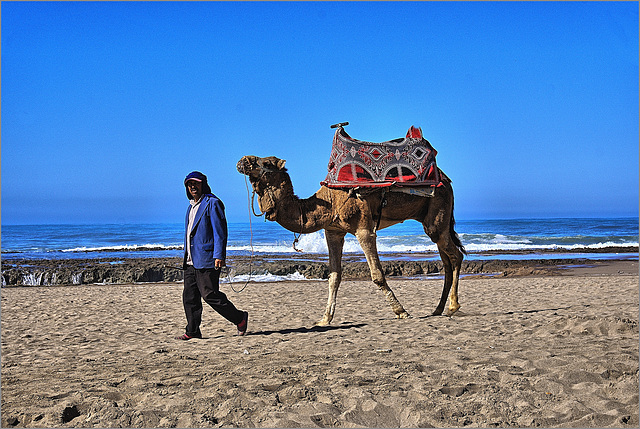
304	330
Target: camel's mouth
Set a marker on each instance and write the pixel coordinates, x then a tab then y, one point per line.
243	166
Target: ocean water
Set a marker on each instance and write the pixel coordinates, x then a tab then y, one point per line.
505	239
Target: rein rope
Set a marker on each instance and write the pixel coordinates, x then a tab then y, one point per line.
250	203
296	239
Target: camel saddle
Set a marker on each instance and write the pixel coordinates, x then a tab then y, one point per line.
403	162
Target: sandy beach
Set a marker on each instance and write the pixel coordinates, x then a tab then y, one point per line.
557	350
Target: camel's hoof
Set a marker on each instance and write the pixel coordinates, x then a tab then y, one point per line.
438	312
322	323
403	315
451	311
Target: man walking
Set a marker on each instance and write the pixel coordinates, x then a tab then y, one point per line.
205	248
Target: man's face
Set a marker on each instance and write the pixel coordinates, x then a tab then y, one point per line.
195	189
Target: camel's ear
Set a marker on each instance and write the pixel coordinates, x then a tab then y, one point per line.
281	163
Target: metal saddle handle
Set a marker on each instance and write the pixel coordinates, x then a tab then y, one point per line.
341	124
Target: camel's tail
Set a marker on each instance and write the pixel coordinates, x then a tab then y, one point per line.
454	234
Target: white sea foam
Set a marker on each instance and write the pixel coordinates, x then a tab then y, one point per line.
483	247
124	248
263	278
32	279
308	243
315	244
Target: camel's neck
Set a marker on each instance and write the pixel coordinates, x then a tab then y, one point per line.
302	215
293	213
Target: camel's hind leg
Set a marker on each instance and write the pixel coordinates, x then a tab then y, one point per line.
367	241
452	261
335	243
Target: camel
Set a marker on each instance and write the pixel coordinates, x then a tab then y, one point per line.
340	211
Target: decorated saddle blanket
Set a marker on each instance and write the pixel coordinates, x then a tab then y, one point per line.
408	161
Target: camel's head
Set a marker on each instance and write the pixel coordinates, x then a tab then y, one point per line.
254	166
269	180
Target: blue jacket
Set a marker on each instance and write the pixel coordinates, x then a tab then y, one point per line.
209	233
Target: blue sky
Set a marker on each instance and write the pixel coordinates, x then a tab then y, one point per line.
532	106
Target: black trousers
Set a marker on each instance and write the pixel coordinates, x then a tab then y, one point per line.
204	285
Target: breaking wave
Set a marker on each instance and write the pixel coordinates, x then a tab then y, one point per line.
124	248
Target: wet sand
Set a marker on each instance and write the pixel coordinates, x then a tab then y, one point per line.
553	350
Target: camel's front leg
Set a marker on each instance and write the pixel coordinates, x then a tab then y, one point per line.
367	241
335	243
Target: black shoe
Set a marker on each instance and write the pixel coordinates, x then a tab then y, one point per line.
242	326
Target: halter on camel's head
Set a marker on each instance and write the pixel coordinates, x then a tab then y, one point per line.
254	166
260	172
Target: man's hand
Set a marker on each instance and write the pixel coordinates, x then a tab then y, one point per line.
219	263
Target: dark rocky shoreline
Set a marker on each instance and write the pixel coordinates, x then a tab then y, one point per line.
21	272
